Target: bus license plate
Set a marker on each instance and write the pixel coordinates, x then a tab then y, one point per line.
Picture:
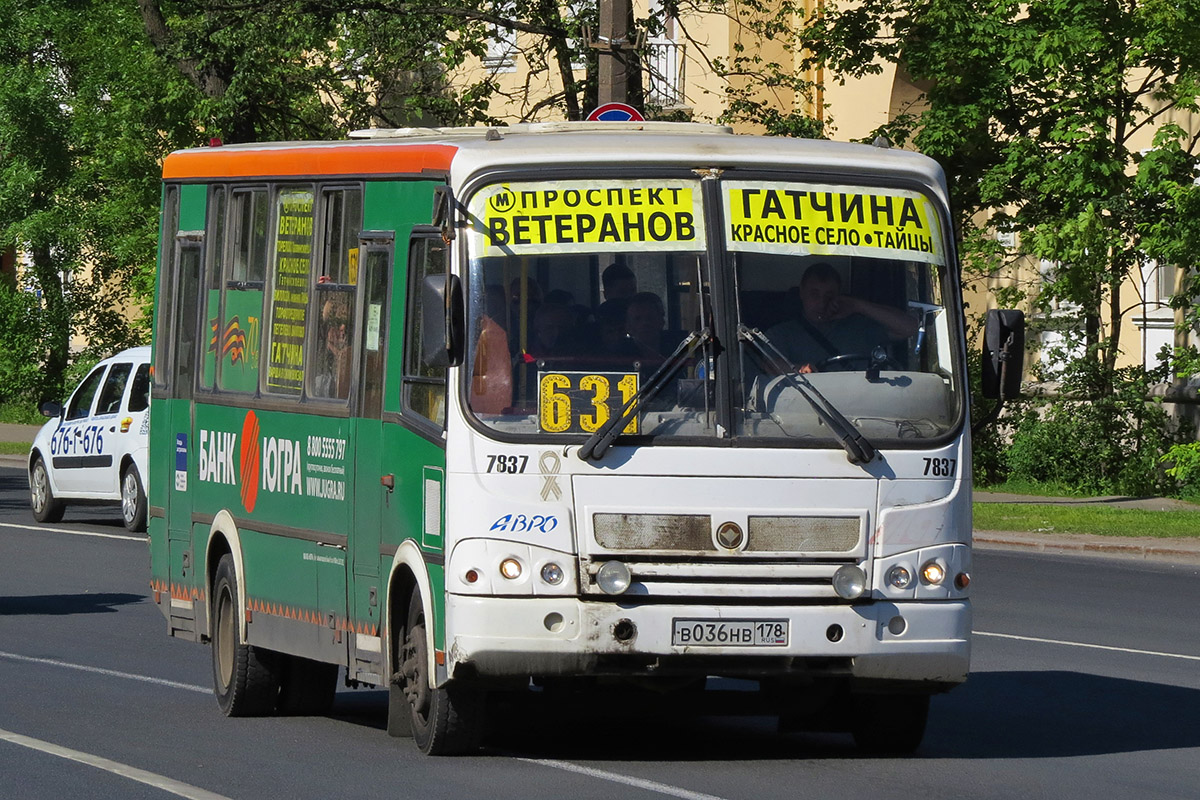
730	632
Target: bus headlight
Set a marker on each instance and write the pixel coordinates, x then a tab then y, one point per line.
849	582
899	577
613	577
933	573
510	568
552	574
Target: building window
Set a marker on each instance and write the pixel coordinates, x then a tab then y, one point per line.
501	53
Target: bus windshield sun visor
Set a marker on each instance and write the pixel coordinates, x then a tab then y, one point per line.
599	442
858	449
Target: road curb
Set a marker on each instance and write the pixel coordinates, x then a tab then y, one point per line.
1180	551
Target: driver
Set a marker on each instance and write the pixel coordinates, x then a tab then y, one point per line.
831	323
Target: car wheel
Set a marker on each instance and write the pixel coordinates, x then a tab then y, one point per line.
133	500
46	507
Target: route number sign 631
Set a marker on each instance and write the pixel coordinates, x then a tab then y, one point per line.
581	402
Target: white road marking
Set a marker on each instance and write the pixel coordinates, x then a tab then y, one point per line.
1087	645
120	769
46	529
116	768
614	777
112	673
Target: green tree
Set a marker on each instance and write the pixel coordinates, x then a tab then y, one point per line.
1060	121
95	93
1036	109
85	116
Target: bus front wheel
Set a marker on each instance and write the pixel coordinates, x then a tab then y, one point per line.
889	724
444	721
245	678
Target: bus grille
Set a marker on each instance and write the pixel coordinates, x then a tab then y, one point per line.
674	533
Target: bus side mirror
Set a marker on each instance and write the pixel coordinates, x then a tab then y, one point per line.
443	321
1003	353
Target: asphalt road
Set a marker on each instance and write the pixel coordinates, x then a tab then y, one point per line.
1086	683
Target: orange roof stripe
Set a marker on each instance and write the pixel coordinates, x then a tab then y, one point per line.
340	159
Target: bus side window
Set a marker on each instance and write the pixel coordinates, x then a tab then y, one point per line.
164	305
189	258
215	253
288	293
237	342
424	385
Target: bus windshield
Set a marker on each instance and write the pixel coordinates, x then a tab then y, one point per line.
840	293
579	291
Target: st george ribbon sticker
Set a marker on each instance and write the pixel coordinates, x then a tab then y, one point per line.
550	466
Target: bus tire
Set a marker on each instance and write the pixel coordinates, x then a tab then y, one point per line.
46	507
245	678
133	500
889	724
447	720
306	687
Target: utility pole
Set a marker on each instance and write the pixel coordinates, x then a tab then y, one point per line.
613	43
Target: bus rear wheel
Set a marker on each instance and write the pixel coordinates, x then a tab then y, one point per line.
444	721
245	678
889	724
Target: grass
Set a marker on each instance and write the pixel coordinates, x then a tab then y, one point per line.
1030	488
1102	520
14	448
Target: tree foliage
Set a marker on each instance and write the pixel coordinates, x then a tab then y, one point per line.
95	93
85	115
1057	120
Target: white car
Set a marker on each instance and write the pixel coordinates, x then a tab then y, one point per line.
94	450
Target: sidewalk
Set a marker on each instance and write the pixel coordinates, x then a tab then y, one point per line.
1146	548
10	432
1183	551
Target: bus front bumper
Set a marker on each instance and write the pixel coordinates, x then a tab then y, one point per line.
925	642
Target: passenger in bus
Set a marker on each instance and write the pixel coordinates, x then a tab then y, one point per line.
619	285
830	323
491	375
645	320
333	377
619	282
553	327
522	305
608	330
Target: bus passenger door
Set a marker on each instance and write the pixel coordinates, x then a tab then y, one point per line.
371	491
186	573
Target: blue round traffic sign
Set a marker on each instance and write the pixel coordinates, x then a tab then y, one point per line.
615	112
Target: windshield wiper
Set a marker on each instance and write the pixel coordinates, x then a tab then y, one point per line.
599	442
858	449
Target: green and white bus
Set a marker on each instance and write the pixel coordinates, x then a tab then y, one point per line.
471	411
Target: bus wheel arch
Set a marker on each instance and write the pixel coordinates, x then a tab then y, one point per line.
443	718
223	538
408	571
